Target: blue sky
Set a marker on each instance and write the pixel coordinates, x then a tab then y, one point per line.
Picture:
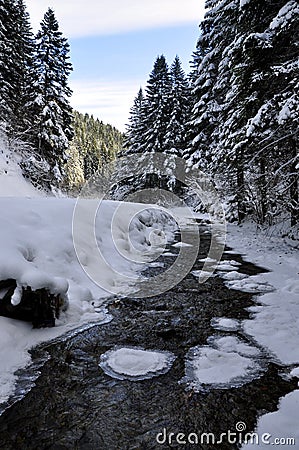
114	44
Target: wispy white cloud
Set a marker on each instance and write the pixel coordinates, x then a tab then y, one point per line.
110	101
79	18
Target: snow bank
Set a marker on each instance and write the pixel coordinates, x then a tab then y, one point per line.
274	323
37	250
279	425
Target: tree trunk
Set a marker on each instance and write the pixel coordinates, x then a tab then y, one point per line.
240	187
294	186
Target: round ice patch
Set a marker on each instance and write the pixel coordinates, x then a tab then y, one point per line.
134	363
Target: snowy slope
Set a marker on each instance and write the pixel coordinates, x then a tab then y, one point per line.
37	250
12	183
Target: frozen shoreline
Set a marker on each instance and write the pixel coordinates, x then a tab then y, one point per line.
275	321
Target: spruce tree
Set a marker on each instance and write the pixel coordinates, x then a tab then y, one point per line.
157	106
50	105
245	115
134	137
175	139
272	129
16	53
208	88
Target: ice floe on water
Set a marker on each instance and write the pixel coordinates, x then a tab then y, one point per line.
233	275
249	285
233	344
208	260
227	266
181	244
225	324
224	363
135	363
202	273
156	264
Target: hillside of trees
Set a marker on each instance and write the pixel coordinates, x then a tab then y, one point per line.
36	119
35	114
236	118
94	144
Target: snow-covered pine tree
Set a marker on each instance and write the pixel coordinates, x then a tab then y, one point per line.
157	123
251	135
134	137
245	118
4	65
180	109
50	105
243	98
180	99
273	129
149	118
157	106
217	31
16	53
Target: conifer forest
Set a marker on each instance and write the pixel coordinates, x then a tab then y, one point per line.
234	116
149	204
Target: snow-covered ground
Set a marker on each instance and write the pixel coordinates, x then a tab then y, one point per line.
274	323
37	250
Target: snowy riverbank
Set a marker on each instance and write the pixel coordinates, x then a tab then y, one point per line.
37	250
275	319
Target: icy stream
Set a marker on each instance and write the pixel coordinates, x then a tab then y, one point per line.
195	370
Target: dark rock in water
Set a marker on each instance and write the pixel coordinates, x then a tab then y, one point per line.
39	307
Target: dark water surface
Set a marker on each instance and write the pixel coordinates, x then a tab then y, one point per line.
73	404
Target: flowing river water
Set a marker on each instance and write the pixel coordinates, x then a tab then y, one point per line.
73	404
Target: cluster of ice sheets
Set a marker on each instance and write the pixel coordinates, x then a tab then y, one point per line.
224	363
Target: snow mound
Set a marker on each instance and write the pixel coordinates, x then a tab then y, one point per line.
128	363
225	363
